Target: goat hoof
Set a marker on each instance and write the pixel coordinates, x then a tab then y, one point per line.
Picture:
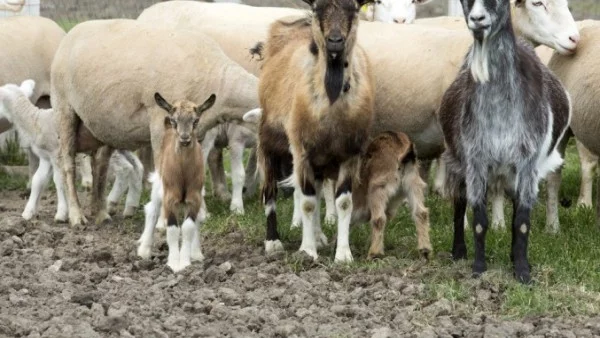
27	215
312	253
197	255
143	252
77	219
343	255
478	269
238	210
61	218
459	253
111	208
425	253
375	255
273	246
296	223
103	217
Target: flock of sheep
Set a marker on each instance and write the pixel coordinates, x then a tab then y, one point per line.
351	112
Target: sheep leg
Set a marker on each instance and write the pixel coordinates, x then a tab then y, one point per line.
297	215
252	174
554	180
99	171
414	187
189	230
196	245
85	169
69	123
343	205
269	194
39	182
145	156
62	211
238	176
598	203
329	195
217	173
121	181
33	162
440	178
151	211
588	165
497	193
135	184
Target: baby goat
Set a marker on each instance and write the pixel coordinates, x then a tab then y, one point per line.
179	180
502	119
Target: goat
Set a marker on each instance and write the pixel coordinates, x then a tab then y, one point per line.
502	118
316	91
179	180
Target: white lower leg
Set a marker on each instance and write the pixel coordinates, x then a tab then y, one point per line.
440	178
297	215
85	169
196	245
320	237
117	191
38	184
188	228
62	210
553	187
151	210
238	177
498	210
343	206
135	183
173	244
329	195
309	206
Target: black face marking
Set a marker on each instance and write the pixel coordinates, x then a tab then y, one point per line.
314	50
171	220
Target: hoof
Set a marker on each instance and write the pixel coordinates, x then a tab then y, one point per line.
375	255
321	239
103	217
77	219
237	209
129	211
197	255
111	208
310	252
459	253
144	252
27	215
478	269
425	253
296	223
343	255
61	218
273	246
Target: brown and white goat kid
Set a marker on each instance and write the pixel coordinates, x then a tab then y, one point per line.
316	91
180	181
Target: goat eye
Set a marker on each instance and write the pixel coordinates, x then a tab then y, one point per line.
196	123
173	123
538	4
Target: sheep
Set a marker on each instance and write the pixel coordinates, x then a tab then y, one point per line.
503	118
181	172
589	162
37	127
315	88
580	75
116	112
389	173
392	11
392	49
33	42
12	5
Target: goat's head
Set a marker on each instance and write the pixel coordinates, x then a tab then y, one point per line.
10	91
486	17
547	22
396	11
183	116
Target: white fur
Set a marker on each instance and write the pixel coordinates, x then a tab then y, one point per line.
152	211
273	246
393	11
589	162
173	259
343	205
310	215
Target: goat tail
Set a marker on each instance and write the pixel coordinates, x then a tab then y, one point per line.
154	177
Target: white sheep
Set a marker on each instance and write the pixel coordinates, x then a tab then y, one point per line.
37	127
118	112
33	42
392	11
12	5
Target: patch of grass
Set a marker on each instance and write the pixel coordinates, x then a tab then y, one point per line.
67	24
12	182
12	154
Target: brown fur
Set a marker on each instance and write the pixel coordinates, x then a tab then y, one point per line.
326	128
390	174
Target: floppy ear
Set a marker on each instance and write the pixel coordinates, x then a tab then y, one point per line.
253	116
206	105
27	87
161	102
309	2
364	2
519	3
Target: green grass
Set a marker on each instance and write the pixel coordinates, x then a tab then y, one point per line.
566	267
11	154
67	24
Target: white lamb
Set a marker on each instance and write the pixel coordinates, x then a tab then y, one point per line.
37	127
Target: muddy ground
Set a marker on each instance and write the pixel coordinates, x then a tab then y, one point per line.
62	282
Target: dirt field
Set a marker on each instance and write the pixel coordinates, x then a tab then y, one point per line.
61	282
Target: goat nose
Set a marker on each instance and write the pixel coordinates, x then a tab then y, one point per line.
399	20
335	38
477	17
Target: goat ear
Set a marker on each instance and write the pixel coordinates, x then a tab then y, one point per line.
207	104
309	2
161	102
253	116
519	3
27	88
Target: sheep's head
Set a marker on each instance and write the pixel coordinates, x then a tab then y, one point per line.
183	116
10	91
547	22
396	11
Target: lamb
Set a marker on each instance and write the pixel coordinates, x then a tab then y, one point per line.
315	88
394	55
503	119
181	179
33	42
117	112
579	74
389	173
392	11
37	127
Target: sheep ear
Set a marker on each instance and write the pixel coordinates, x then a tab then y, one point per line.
27	88
161	102
253	116
206	105
519	3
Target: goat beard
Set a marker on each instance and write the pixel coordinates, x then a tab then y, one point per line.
334	76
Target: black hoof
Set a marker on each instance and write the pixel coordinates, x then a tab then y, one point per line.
459	253
478	269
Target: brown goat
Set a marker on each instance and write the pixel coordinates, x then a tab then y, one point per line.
389	174
181	171
316	91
